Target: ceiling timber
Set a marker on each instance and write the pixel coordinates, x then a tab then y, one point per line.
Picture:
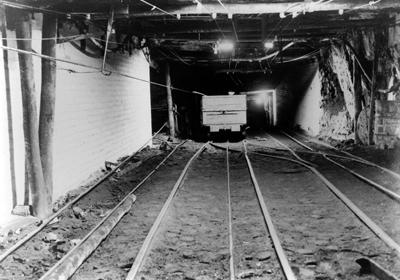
186	31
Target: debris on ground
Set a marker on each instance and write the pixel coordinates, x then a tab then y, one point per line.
50	236
78	212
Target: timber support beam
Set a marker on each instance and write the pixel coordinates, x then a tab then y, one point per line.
40	196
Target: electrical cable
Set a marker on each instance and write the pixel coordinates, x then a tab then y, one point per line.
223	6
305	56
32	8
157	8
97	68
234	30
46	39
215	20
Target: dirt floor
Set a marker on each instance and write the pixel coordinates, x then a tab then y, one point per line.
320	235
389	158
46	248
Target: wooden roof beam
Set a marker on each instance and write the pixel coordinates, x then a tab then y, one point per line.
272	8
343	24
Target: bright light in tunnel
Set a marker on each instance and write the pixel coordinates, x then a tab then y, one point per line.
225	46
268	44
260	99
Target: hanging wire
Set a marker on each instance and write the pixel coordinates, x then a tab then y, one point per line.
49	11
97	68
223	6
370	3
234	30
46	39
157	8
32	8
215	20
305	56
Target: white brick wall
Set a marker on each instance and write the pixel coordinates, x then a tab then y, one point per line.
97	118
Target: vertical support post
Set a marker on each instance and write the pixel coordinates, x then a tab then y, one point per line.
8	104
108	33
357	100
171	121
372	99
40	205
274	109
47	101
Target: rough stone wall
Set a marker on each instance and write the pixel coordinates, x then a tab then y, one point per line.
387	123
337	93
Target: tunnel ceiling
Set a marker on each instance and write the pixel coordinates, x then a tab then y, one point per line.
186	31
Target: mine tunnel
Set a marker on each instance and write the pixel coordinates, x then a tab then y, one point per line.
200	139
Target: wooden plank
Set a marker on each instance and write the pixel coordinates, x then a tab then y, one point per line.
153	230
223	103
228	117
268	8
287	270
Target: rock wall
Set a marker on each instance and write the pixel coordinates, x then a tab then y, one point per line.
387	123
337	93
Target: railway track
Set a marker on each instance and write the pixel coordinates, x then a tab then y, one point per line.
37	254
321	236
378	200
218	214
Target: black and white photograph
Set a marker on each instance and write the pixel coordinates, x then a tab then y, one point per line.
200	140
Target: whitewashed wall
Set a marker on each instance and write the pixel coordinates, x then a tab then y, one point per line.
97	118
309	112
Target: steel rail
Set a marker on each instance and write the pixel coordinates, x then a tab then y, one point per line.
258	153
70	263
337	156
297	141
72	202
231	260
113	210
311	151
379	187
357	211
283	260
357	158
289	149
153	230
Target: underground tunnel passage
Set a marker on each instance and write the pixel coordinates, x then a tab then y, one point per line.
200	139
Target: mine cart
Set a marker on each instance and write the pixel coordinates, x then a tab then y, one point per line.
224	113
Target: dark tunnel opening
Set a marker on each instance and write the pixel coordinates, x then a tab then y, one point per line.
273	95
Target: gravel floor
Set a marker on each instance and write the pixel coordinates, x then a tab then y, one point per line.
320	235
